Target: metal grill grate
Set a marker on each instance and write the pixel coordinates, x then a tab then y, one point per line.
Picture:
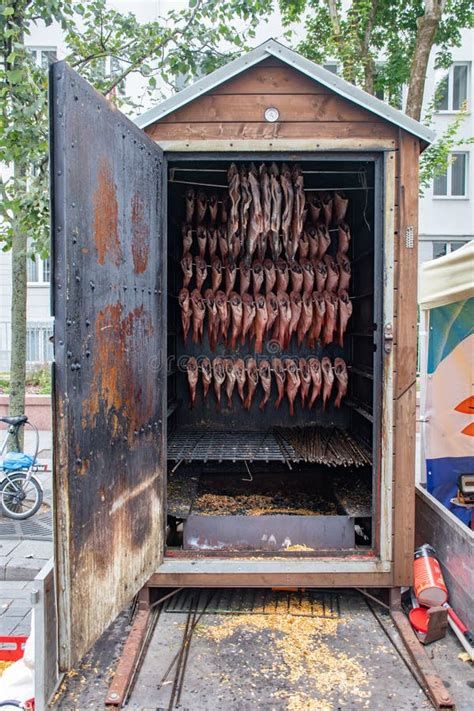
202	446
37	528
252	601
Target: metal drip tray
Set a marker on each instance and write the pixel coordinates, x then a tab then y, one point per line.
196	445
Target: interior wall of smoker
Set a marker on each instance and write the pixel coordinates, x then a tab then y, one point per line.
358	350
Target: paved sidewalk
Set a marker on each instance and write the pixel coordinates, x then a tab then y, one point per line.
26	546
22	560
15	608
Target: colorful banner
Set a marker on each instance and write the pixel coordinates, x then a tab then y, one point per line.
449	405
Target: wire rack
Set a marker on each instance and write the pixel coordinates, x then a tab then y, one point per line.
196	445
238	601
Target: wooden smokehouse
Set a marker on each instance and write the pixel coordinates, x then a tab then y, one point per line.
153	223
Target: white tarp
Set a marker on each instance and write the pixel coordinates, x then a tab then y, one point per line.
448	279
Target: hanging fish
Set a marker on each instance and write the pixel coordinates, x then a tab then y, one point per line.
316	378
344	265
193	377
245	270
275	223
187	267
185	306
206	375
280	377
324	239
201	233
261	318
236	317
328	379
249	312
270	275
265	375
230	379
305	377
293	382
306	318
340	371
296	306
240	377
218	373
212	318
340	205
344	313
330	318
258	276
190	198
199	311
201	272
187	234
252	381
216	273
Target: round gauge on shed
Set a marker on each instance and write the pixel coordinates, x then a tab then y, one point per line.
272	114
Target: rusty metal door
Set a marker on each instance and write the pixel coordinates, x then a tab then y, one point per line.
109	377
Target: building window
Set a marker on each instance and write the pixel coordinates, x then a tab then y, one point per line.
43	56
440	249
39	349
331	67
452	90
453	182
38	270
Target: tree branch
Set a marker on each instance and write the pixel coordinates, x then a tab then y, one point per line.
428	25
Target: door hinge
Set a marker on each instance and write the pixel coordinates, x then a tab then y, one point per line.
388	337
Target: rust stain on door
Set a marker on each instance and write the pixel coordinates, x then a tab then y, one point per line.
140	235
120	390
106	235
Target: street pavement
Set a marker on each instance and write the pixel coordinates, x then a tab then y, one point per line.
21	557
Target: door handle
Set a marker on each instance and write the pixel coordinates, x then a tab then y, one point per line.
388	338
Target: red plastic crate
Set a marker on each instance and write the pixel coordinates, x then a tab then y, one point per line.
12	647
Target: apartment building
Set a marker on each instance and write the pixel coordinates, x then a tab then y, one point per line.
446	209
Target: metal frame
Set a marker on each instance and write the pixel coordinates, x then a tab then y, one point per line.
271	48
384	201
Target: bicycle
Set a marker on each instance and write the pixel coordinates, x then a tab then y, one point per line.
21	494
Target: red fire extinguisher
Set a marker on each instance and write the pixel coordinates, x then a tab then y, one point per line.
429	585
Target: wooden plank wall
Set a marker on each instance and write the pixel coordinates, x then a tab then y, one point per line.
308	110
235	110
406	300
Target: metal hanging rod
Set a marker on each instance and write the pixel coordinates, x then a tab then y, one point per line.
304	172
308	190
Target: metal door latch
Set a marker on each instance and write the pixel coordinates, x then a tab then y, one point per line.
388	337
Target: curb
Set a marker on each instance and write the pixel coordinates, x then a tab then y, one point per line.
22	560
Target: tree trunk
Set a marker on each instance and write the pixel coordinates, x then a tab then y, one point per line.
18	315
427	27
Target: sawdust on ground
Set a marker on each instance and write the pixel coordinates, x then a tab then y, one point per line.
207	504
304	654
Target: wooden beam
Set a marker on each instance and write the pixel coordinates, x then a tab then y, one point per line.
312	131
404	487
271	80
292	107
407	295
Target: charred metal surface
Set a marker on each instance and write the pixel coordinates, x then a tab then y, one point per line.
275	533
108	281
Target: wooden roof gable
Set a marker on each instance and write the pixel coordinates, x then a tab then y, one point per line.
325	79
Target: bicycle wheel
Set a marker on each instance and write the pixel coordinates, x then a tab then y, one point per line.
20	497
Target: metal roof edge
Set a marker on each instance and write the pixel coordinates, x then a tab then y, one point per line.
201	86
310	69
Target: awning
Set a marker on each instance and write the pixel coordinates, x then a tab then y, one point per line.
448	279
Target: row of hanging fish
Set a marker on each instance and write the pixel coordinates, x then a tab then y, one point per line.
313	243
310	378
318	316
306	276
265	207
